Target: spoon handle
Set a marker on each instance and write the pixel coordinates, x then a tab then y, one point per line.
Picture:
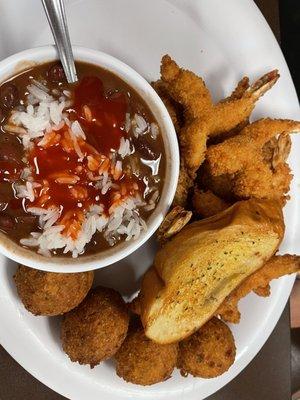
56	15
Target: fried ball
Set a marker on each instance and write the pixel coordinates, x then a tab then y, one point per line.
209	352
95	330
142	361
49	293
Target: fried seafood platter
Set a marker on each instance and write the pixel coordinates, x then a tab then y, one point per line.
218	243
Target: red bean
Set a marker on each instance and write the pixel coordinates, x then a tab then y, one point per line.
10	149
56	73
117	95
6	222
27	219
9	95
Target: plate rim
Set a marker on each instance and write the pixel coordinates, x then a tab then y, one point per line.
284	289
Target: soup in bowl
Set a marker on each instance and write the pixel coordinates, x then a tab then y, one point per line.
87	170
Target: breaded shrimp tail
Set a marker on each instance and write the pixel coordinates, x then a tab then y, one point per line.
239	106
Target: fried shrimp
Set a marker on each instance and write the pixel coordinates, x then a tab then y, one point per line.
276	267
206	203
263	291
203	119
281	150
185	182
238	107
239	91
193	137
209	352
261	179
173	108
261	182
220	185
176	88
250	140
188	90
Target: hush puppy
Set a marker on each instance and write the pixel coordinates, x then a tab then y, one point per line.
49	293
95	330
142	361
209	352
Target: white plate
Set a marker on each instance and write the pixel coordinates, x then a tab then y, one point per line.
222	40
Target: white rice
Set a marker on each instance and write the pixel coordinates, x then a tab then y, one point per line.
104	183
15	129
55	92
42	114
154	197
77	130
30	191
154	129
26	191
55	110
50	218
124	149
26	173
124	221
32	100
40	85
118	166
127	122
149	207
139	125
39	93
67	93
57	127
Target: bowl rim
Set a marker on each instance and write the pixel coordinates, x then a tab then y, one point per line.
21	61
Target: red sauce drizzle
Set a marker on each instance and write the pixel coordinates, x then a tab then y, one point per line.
53	161
105	130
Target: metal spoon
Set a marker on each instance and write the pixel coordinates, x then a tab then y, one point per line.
56	15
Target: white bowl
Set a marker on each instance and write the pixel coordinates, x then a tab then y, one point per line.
21	61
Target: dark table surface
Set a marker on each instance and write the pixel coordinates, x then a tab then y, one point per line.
267	377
